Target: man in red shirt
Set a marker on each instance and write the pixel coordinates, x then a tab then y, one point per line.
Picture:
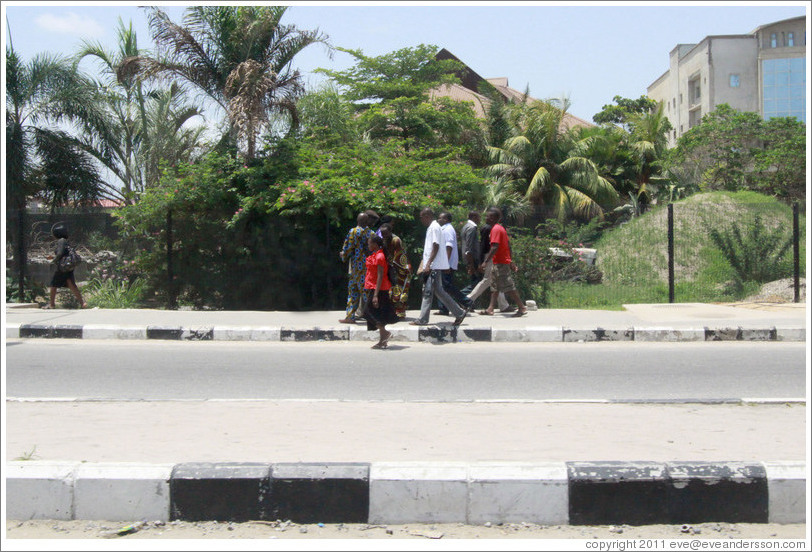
501	279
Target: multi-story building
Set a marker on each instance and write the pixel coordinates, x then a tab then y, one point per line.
763	71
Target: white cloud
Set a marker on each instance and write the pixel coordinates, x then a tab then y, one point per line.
70	23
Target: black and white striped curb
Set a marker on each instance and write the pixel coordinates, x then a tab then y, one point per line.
440	333
552	493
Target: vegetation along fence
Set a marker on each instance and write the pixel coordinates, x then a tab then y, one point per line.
694	251
719	247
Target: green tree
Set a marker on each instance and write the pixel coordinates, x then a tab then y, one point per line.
327	116
392	97
721	149
40	94
623	110
134	128
542	160
40	158
648	139
238	56
781	163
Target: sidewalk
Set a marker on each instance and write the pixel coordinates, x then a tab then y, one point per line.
638	322
342	462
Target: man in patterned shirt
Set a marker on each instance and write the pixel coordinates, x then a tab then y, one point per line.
355	252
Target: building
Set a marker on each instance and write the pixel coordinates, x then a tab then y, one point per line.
763	71
471	84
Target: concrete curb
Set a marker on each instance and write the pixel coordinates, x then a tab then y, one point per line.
551	493
437	333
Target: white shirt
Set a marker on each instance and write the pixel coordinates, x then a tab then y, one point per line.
451	241
434	234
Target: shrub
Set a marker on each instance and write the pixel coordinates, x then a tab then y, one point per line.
756	254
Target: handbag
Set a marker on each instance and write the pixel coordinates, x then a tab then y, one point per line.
69	261
392	273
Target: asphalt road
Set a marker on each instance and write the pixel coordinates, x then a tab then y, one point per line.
407	371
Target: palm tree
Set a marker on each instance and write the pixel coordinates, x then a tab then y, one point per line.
135	128
239	56
648	142
40	94
541	160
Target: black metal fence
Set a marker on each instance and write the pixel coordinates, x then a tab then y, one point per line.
670	254
696	252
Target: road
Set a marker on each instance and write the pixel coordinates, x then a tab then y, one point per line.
408	371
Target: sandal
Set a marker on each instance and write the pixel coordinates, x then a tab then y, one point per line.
485	313
517	314
380	345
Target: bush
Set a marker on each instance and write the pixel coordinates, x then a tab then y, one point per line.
114	294
755	254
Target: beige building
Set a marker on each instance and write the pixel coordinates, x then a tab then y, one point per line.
763	71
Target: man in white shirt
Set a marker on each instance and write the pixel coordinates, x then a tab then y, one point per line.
435	260
450	236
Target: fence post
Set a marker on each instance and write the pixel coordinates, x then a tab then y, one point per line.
22	258
796	250
670	252
169	269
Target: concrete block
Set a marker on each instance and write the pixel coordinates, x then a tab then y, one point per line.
758	334
265	333
315	334
12	331
39	490
402	331
204	333
786	483
418	493
359	332
164	332
36	330
447	333
326	492
231	333
109	331
245	333
536	334
222	492
598	334
790	333
723	334
68	331
122	491
515	493
703	492
669	334
607	493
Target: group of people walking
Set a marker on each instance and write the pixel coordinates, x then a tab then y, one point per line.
379	272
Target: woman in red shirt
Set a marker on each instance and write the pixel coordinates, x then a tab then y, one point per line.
379	310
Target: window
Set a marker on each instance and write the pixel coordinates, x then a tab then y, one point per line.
783	88
773	40
734	80
790	39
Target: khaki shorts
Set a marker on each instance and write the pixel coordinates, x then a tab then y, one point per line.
502	278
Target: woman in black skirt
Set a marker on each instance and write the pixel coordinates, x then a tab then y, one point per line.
62	279
379	310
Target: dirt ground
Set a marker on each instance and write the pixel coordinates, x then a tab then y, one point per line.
82	529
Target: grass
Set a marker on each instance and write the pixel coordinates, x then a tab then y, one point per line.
634	257
27	456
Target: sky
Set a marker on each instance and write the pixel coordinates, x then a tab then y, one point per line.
585	51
